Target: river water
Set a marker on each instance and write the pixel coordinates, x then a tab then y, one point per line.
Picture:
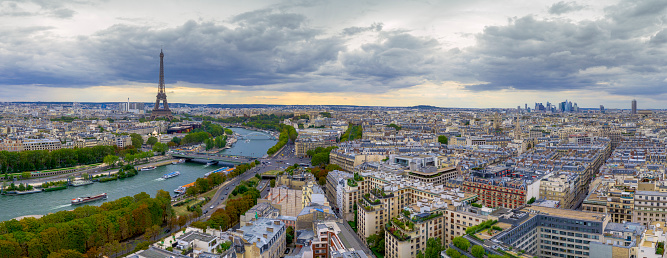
146	181
251	144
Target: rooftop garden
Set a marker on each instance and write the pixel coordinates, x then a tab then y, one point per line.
407	225
368	199
358	178
482	226
380	193
365	206
351	182
397	233
422	219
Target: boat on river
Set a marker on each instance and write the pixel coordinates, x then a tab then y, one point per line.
148	168
172	174
82	200
80	183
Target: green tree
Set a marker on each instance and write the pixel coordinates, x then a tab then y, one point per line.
176	140
376	242
111	160
137	140
25	175
478	251
289	235
209	144
461	243
532	200
151	140
433	248
451	252
66	253
160	148
442	139
398	128
273	183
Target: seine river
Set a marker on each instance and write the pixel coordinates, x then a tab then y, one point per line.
146	181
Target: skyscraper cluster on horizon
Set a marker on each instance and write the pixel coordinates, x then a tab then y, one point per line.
562	107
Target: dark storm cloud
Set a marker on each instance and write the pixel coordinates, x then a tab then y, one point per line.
564	7
52	8
262	48
356	30
611	54
395	55
259	50
622	52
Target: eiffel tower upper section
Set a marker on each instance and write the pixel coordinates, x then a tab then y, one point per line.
161	96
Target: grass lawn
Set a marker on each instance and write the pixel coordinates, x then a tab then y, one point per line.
272	172
209	194
181	210
253	179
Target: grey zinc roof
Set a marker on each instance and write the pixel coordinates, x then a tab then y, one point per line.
252	233
196	235
153	252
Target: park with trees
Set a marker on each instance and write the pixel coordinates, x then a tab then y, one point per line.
16	162
90	230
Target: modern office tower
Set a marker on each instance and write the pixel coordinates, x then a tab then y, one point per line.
601	109
634	106
561	106
568	106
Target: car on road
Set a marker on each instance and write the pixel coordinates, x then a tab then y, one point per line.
211	207
287	251
227	188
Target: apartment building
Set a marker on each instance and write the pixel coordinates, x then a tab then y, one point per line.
262	209
41	144
123	141
550	232
306	142
311	192
459	218
336	181
561	186
433	175
348	160
500	186
11	145
261	238
607	197
289	201
410	211
649	207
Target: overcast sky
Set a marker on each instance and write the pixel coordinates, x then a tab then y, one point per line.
448	53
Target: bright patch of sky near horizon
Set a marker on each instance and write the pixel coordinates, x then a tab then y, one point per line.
470	53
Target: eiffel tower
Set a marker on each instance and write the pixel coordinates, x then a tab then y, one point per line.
161	96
